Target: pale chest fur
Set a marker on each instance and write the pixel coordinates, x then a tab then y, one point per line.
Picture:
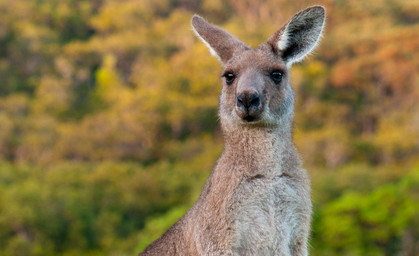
270	211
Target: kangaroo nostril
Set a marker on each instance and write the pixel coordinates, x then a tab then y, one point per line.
240	101
248	100
254	101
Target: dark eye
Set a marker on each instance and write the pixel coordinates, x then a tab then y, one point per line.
229	77
276	76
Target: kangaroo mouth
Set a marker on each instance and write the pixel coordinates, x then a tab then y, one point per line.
249	118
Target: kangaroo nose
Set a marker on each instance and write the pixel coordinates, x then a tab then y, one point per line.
248	100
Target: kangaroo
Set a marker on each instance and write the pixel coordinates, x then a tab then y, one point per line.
257	199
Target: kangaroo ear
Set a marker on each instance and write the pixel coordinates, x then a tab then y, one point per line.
222	44
300	35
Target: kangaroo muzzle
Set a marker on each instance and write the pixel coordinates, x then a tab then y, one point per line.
248	106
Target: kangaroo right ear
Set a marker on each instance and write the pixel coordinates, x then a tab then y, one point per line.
221	44
300	35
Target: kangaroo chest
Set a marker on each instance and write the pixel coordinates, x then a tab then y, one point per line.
264	218
251	207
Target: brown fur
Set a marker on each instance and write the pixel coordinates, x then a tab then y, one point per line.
257	199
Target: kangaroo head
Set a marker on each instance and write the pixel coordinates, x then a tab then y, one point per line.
256	88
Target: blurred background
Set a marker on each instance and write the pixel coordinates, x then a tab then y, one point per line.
108	121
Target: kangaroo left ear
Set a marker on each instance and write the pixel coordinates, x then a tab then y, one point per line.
300	35
222	44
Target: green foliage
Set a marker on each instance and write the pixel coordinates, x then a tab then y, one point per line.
156	226
83	208
382	222
108	121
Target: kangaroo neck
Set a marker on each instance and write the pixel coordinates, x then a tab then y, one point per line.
259	148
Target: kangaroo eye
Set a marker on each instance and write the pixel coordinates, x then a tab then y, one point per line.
276	76
229	77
